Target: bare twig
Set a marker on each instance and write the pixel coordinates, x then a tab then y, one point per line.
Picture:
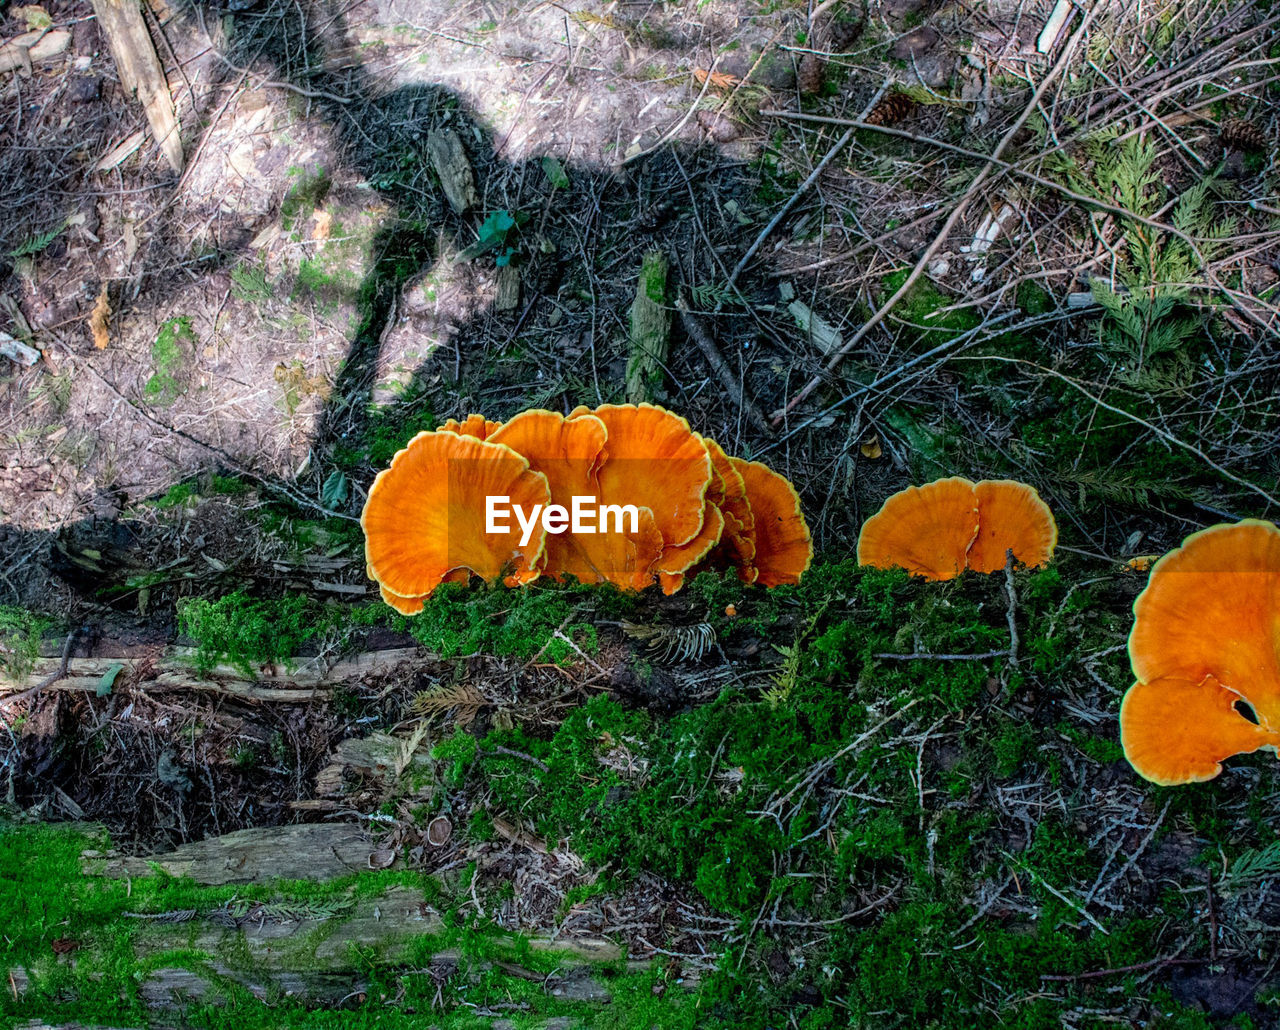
838	357
727	379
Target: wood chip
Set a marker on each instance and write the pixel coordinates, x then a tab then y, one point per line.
451	164
18	351
22	52
98	320
120	153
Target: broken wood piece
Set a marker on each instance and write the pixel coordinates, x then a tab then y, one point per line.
120	153
825	336
311	851
507	297
140	71
1052	30
18	351
22	52
453	167
989	228
650	330
378	759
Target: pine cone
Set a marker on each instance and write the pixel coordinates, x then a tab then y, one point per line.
1239	134
891	109
810	76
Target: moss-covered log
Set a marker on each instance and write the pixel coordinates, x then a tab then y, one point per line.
650	329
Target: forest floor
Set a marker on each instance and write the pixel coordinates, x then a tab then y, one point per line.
917	239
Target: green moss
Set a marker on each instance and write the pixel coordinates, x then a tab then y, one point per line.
167	358
248	632
20	633
459	620
305	195
920	309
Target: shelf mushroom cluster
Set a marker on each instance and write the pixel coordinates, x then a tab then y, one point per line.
1203	649
697	507
943	528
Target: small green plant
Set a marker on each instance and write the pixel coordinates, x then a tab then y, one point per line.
494	233
167	356
20	633
305	195
249	283
37	243
1150	315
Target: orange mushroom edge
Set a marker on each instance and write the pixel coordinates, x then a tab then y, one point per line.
942	528
424	518
1203	652
737	547
1011	517
1177	731
473	425
783	545
654	460
926	530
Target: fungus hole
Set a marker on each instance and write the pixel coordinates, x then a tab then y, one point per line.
1244	708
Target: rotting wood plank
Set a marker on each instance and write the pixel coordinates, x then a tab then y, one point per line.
141	72
311	851
449	160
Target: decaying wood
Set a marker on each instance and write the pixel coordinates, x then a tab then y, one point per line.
312	851
305	951
120	153
140	71
377	758
507	297
17	351
22	52
650	329
449	159
314	950
303	680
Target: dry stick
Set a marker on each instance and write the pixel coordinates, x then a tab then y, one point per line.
1168	438
992	163
800	192
1155	963
922	656
1011	611
782	211
1213	920
728	380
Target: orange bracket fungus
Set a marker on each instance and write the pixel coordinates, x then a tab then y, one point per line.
666	502
939	530
423	520
1204	655
783	548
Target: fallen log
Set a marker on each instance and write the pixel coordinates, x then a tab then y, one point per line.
302	679
318	948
